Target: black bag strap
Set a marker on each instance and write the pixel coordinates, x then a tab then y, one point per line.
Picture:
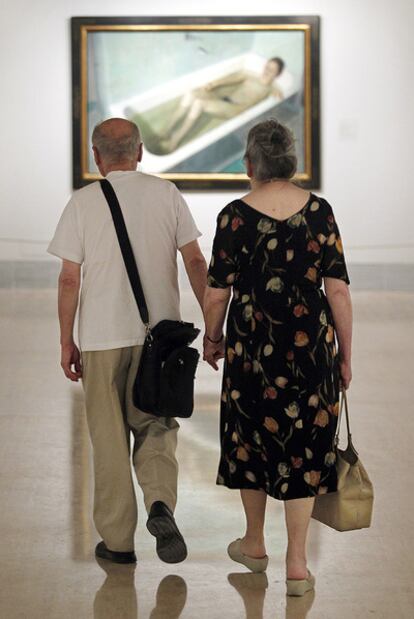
126	249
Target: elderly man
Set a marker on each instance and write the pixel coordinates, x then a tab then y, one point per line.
111	334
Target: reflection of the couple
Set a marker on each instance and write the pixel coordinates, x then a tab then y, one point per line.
117	597
252	589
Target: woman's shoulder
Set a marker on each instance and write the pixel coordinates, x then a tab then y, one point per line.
232	213
320	217
319	208
323	203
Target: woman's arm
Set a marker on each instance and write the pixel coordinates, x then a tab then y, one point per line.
339	300
215	305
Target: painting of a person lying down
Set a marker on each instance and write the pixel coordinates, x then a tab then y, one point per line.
195	90
222	99
179	121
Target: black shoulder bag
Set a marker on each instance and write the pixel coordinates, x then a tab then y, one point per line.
164	385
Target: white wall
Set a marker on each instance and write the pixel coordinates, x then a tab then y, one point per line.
367	125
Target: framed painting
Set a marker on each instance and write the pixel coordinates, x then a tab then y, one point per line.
195	86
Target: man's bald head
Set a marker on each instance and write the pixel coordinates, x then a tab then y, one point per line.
117	140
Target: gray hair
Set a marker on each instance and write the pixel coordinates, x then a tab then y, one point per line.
271	151
116	139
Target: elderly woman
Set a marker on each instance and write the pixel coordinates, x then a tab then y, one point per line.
282	370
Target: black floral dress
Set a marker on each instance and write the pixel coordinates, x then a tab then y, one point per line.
280	396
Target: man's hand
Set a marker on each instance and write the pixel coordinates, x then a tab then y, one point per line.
70	355
213	352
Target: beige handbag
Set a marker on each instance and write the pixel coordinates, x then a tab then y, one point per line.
350	507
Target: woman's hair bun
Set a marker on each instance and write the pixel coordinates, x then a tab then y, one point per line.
277	134
271	150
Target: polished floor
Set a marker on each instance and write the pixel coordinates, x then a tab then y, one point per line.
47	567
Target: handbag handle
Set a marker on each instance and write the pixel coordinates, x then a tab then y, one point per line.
126	250
344	403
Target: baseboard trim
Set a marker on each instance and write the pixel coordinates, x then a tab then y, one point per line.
44	274
398	277
29	273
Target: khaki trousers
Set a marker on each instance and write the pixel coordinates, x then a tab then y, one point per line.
108	377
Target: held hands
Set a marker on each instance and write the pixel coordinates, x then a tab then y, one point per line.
213	352
70	355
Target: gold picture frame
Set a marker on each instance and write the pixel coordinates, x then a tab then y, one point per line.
303	98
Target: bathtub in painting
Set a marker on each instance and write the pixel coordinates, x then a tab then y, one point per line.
147	110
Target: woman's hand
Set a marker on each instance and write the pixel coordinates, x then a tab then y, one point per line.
346	373
213	352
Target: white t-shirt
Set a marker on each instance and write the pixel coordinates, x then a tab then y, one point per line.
158	221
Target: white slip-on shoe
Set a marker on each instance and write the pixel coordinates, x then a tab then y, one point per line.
254	565
300	587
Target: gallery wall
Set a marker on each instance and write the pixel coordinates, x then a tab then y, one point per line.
367	125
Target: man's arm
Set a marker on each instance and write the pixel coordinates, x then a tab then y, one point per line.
68	296
196	268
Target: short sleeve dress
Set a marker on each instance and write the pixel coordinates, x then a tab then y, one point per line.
280	395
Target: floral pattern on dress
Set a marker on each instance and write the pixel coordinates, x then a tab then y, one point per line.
280	396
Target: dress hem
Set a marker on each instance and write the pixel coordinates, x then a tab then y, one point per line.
278	498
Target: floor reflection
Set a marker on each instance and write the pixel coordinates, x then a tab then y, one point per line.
117	597
171	598
298	608
252	589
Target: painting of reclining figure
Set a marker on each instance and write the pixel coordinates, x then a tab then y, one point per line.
195	90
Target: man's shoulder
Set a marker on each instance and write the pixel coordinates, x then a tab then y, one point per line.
155	182
85	194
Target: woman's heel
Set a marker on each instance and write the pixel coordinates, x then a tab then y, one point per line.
254	565
298	588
